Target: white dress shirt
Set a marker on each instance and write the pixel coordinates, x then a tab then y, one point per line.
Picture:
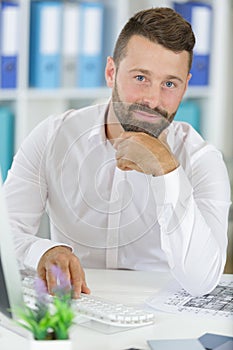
120	219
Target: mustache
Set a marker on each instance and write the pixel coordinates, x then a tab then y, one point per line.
142	108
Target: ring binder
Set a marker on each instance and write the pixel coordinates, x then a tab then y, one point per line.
45	44
199	15
90	72
9	44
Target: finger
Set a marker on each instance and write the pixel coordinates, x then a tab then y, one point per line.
41	272
77	287
52	276
123	136
119	154
85	288
117	142
125	165
62	262
51	281
76	274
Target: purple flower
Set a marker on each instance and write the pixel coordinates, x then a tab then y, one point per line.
63	283
41	291
40	286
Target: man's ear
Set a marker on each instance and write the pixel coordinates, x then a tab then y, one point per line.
110	71
187	81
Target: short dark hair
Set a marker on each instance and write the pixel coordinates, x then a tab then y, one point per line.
161	25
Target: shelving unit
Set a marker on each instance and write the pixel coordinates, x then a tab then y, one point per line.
31	106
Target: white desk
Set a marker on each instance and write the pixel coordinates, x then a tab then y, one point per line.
130	287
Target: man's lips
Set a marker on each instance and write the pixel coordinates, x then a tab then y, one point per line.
147	116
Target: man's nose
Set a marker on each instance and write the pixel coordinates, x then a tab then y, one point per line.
152	97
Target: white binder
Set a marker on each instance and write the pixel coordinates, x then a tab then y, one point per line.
70	43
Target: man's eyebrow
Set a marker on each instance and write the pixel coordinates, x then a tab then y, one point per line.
147	72
140	70
174	77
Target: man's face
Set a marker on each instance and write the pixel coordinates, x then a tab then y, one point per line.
148	86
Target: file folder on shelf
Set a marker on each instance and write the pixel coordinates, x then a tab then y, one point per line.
45	44
70	43
90	72
6	139
199	15
9	50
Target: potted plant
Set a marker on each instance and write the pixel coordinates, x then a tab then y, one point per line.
52	317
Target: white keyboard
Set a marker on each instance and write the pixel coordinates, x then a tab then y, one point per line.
99	309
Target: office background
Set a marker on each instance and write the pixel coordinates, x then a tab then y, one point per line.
52	57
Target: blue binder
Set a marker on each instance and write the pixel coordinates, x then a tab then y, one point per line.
45	44
189	112
90	60
199	15
6	140
9	44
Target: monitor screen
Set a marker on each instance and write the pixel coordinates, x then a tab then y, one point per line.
4	300
10	281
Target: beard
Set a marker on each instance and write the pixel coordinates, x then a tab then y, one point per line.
125	113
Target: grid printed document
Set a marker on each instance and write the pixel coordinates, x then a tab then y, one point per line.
218	303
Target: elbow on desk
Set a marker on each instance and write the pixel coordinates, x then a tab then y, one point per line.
198	291
199	288
198	282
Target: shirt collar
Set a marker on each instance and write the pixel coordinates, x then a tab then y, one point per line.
170	135
97	133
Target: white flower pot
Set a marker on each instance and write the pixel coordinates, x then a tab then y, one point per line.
50	344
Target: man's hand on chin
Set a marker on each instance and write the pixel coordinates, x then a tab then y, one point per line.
144	153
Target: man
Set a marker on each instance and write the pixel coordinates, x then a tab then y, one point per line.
124	185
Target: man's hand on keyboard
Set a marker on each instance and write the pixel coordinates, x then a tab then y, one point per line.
70	266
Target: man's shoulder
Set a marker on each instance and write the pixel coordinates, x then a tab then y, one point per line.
90	112
78	119
185	128
182	134
185	132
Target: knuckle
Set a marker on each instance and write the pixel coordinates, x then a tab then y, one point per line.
74	259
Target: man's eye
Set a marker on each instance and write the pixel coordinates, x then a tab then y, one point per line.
169	84
140	78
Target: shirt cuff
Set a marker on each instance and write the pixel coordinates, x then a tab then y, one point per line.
171	188
36	251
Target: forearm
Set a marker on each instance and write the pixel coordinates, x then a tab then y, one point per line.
193	233
195	255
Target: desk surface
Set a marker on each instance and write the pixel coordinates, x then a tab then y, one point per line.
130	287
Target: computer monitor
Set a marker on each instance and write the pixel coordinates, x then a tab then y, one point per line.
11	295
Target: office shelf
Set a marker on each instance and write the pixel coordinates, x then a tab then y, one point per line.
31	105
